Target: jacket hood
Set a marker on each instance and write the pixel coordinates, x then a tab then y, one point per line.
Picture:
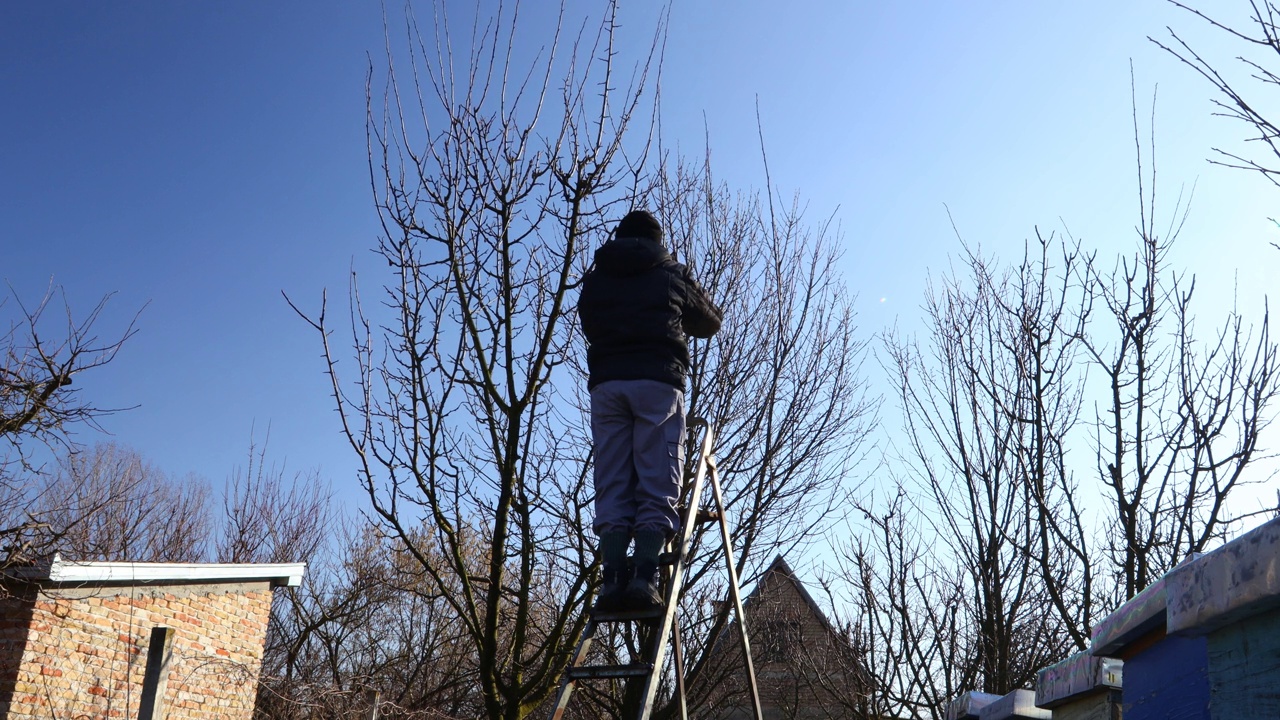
630	256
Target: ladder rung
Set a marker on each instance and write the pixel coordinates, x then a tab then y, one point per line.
626	615
602	672
706	516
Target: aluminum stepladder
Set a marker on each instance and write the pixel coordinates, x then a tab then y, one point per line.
663	626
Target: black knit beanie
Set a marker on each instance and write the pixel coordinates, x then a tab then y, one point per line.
639	223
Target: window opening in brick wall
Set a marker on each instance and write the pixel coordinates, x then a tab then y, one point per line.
159	653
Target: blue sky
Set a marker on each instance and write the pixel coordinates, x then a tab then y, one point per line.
201	158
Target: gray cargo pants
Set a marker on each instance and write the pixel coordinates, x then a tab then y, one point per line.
638	429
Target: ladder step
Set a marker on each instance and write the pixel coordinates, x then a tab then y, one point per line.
602	672
703	515
626	615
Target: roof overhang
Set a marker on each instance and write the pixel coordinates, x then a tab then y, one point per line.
63	572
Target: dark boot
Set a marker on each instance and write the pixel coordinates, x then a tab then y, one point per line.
642	592
613	589
614	575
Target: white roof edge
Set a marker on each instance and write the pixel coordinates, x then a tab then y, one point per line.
278	574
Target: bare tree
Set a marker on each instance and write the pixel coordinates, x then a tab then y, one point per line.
986	404
465	408
39	408
367	620
976	571
110	504
908	614
37	402
991	519
487	205
1043	315
1182	416
269	520
1245	98
782	384
317	661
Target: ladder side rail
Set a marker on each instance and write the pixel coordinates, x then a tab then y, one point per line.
674	587
677	650
568	683
735	592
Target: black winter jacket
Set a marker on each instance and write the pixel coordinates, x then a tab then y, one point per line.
637	303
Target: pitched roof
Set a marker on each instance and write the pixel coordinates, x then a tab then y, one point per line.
780	568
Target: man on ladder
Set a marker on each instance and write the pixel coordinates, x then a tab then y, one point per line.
636	306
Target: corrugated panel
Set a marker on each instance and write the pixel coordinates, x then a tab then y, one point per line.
1244	669
1100	706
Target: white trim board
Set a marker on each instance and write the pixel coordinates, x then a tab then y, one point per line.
64	572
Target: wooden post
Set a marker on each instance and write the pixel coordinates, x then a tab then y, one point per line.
374	696
159	653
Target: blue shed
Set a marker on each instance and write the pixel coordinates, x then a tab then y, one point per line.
1165	676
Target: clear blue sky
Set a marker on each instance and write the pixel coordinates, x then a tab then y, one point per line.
200	158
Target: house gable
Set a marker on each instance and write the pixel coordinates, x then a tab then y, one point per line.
804	666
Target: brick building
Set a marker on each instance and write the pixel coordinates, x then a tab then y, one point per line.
805	667
129	640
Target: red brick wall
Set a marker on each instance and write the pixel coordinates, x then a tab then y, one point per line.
86	650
